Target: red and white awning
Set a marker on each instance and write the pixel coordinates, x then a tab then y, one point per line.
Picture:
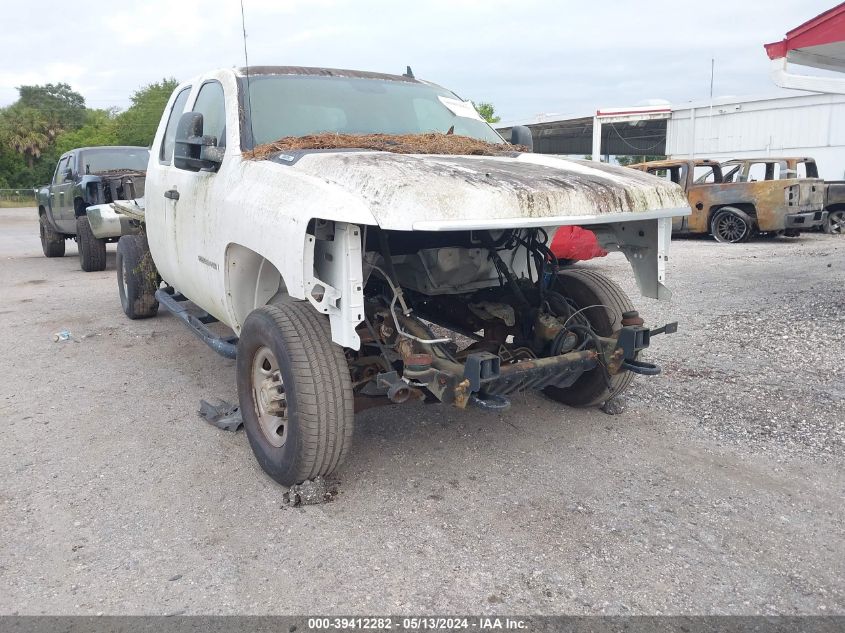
818	43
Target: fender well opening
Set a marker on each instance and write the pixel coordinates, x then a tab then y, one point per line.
251	282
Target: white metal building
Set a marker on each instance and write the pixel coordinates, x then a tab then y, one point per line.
803	125
806	124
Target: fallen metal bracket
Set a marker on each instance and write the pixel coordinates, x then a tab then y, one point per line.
225	416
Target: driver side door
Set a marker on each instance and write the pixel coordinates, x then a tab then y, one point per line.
192	202
61	203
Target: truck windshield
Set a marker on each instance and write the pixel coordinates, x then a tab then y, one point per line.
94	161
299	105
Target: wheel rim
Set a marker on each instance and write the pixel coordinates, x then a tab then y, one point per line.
836	221
730	227
268	396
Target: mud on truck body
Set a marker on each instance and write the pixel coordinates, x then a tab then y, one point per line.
734	208
86	177
369	239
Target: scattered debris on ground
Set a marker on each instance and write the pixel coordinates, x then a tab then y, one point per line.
614	406
64	336
310	492
432	143
225	415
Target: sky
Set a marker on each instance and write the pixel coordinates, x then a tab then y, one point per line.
528	58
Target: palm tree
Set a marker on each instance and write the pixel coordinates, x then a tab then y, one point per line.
27	132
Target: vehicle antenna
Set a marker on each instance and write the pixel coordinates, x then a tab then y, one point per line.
248	92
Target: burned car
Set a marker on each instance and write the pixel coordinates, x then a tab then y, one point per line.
366	238
800	167
733	209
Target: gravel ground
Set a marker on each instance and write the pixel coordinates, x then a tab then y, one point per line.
758	359
719	490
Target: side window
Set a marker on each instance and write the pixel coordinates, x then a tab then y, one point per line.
211	105
166	153
807	169
671	174
810	169
756	172
59	176
704	174
733	173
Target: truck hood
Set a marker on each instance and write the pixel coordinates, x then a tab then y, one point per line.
436	192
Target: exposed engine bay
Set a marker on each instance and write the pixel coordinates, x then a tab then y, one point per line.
471	317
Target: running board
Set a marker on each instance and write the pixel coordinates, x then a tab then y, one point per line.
197	320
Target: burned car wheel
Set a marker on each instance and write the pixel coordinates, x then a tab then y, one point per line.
730	226
92	251
295	392
137	279
835	223
602	304
52	243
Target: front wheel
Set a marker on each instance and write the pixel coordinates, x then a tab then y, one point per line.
835	223
52	243
295	392
602	302
92	251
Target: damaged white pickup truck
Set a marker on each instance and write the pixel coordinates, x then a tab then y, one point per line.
369	239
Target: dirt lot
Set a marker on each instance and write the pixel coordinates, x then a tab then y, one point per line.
719	490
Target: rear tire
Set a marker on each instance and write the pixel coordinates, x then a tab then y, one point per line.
137	278
587	288
52	243
92	251
730	226
295	392
835	223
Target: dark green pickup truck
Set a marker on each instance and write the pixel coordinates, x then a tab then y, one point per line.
87	176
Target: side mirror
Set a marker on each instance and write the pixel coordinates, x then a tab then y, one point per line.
193	150
521	135
68	174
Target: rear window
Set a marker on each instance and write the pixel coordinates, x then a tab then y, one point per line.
95	161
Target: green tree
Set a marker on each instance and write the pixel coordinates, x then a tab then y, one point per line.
487	112
99	129
25	131
57	103
137	125
633	160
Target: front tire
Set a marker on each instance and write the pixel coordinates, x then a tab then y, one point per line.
295	392
52	243
590	288
137	278
92	251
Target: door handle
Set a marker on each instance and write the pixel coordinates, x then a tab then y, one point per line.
171	194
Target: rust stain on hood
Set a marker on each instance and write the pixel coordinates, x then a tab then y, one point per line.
401	189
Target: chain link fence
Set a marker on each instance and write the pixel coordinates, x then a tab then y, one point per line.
17	198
